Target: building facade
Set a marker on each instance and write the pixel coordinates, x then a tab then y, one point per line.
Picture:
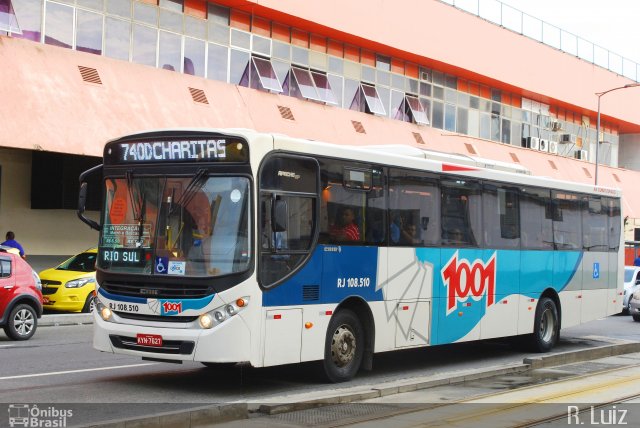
77	73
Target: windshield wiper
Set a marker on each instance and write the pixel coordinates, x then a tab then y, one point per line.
190	191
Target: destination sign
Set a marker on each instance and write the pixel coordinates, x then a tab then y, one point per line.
180	150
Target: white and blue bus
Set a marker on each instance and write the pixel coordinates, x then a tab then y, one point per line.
224	246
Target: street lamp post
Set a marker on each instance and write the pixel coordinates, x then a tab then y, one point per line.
600	94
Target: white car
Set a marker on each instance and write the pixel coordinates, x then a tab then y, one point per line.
631	285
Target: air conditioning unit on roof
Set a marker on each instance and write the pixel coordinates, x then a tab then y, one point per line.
553	147
581	154
531	143
544	145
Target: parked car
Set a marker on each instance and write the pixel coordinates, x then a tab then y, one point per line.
69	287
631	285
20	296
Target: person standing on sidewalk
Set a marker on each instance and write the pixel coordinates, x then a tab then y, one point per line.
11	242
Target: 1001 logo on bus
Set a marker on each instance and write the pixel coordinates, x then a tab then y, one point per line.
464	279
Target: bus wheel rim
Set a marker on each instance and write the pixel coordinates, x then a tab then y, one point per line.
547	326
343	346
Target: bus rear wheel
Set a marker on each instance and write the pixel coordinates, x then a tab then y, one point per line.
344	346
546	327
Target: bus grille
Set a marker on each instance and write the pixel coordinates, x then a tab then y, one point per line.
158	291
178	347
156	318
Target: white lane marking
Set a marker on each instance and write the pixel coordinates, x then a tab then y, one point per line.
7	346
76	371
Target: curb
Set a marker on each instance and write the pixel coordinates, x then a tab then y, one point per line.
54	320
582	355
198	417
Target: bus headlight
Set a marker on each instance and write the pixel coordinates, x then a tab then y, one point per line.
222	313
105	313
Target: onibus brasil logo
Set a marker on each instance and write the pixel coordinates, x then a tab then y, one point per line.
26	415
464	279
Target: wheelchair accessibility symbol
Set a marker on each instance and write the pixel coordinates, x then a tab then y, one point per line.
161	264
596	270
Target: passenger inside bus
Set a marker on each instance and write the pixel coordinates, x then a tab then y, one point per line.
344	228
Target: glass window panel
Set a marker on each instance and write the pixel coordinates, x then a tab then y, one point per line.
505	136
267	74
614	223
90	4
451	81
567	222
501	213
383	63
495	127
146	13
336	87
516	133
324	88
450	96
462	121
145	42
218	14
171	21
437	120
217	62
594	224
397	81
450	117
474	123
300	55
536	219
238	65
194	51
485	126
463	99
373	99
305	83
425	89
461	213
89	32
352	97
425	74
419	114
383	77
397	107
117	38
496	95
385	98
218	33
438	93
29	16
438	77
282	70
119	7
412	86
485	105
336	65
240	39
281	50
426	106
368	74
474	102
175	5
261	45
58	25
170	51
495	108
8	20
195	27
414	204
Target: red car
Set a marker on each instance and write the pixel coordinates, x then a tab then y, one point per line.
20	296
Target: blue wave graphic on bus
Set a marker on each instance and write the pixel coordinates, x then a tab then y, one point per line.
165	307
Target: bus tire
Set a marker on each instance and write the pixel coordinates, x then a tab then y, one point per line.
636	318
22	322
546	326
344	346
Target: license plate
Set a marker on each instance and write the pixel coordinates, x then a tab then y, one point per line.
149	340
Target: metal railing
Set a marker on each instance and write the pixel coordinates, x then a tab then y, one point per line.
519	22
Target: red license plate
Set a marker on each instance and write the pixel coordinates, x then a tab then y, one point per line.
149	340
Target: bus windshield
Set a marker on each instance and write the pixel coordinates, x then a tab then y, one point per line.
195	226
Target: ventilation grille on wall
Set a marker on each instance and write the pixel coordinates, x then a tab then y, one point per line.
514	157
358	127
470	148
199	96
418	138
553	164
615	177
90	75
286	113
586	172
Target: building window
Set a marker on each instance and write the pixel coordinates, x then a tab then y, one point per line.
116	35
58	25
145	41
169	52
30	15
218	59
194	57
89	32
368	100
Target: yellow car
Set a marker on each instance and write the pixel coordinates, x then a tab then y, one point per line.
69	287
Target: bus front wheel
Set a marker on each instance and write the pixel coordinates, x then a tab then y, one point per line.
546	328
344	346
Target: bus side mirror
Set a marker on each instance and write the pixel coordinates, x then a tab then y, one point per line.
279	215
82	197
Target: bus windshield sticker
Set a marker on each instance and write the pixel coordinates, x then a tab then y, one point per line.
235	195
177	268
126	235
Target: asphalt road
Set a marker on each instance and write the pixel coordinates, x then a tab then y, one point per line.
58	365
